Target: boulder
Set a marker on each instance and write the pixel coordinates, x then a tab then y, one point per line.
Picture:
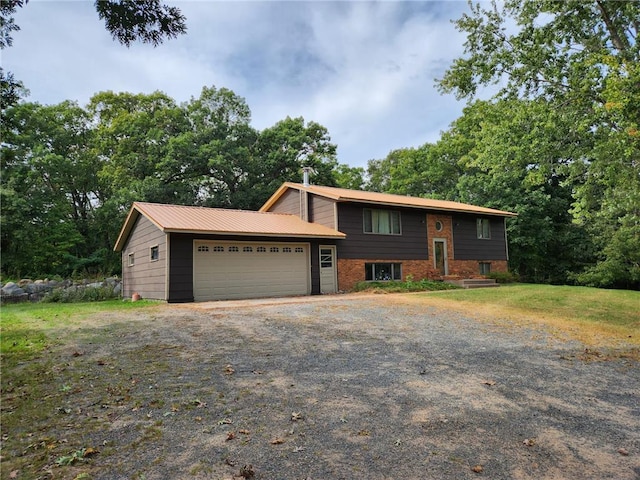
11	289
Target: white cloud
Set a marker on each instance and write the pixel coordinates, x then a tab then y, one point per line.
364	70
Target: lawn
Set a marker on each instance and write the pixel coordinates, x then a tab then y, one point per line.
593	316
92	387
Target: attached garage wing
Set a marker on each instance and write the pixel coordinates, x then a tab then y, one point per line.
234	270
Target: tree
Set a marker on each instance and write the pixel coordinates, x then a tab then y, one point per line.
427	171
47	180
148	21
580	58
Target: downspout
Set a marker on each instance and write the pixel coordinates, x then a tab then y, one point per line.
506	242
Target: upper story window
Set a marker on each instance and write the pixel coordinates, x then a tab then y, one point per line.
483	227
384	222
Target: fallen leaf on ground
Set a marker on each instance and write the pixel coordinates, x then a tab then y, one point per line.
489	382
364	433
14	474
228	370
295	416
231	436
247	471
298	449
277	441
244	432
623	451
477	469
529	442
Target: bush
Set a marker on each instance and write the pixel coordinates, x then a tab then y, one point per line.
80	294
504	277
398	287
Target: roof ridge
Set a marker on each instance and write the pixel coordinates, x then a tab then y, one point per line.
240	210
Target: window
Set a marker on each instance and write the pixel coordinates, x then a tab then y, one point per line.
233	248
220	248
203	248
131	259
261	249
326	258
286	249
382	271
154	253
484	228
247	249
385	222
299	250
485	268
274	249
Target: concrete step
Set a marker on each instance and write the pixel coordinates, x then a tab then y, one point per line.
475	282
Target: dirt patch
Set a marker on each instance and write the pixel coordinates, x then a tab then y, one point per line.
371	387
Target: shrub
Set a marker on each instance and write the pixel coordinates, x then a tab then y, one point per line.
398	287
504	277
80	294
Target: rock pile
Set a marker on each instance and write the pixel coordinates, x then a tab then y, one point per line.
34	291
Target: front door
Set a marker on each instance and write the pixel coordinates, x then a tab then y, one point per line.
328	280
440	256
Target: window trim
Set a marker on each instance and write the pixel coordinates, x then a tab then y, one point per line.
391	222
480	230
131	259
487	265
395	276
153	248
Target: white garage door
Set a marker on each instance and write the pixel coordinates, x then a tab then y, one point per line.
229	270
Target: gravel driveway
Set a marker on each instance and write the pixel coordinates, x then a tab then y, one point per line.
348	387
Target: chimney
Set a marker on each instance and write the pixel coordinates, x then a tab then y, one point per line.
305	175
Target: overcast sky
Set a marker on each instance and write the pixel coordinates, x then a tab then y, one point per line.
364	70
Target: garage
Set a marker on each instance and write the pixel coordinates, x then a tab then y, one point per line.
233	270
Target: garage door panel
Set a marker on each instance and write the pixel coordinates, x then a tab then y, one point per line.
228	270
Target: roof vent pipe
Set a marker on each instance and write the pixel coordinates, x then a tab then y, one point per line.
305	175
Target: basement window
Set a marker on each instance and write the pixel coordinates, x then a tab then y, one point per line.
382	271
485	268
154	253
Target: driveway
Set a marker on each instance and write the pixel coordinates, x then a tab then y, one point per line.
346	387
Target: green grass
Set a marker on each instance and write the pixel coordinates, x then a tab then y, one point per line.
24	326
40	390
594	311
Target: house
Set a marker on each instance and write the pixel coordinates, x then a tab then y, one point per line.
306	239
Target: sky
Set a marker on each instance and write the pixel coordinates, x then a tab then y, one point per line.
364	70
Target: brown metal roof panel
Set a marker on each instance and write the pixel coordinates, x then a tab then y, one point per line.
202	219
345	195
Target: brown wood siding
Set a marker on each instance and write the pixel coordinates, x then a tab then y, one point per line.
181	267
410	245
467	245
289	202
322	211
146	277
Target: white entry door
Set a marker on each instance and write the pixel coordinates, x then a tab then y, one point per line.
328	278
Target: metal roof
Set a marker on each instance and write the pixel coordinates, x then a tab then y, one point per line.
186	219
345	195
